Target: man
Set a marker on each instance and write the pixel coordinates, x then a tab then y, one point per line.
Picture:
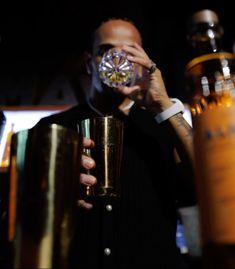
136	230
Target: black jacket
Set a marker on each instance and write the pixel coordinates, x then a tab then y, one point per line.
136	230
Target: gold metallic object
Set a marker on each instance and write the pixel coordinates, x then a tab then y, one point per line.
107	133
44	180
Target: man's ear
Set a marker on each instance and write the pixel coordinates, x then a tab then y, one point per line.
87	60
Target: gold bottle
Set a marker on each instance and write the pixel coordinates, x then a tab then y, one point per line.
210	78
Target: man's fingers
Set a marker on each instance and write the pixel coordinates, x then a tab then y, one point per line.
84	204
87	162
87	142
128	90
87	180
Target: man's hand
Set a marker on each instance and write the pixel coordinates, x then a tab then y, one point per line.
87	179
150	92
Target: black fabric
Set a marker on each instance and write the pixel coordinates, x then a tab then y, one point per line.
140	229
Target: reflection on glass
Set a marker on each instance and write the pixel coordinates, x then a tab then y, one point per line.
115	69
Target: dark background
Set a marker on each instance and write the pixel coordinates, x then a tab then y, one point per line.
40	38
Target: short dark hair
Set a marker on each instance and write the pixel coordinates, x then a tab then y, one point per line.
103	21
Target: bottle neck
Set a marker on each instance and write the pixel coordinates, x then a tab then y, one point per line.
205	38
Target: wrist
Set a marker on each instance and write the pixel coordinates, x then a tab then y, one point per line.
175	108
156	109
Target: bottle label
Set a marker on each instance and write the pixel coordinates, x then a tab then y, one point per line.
214	143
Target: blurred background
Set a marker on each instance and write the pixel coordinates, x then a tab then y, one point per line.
41	42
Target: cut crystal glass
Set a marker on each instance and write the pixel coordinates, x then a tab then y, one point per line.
115	69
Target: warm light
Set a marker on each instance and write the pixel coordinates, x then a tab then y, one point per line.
20	120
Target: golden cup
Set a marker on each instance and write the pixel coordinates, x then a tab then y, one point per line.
107	133
44	181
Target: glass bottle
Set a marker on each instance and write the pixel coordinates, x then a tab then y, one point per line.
205	33
210	79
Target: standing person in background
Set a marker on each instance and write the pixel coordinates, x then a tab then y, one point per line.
137	229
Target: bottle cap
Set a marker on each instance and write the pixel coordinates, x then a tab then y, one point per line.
205	16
